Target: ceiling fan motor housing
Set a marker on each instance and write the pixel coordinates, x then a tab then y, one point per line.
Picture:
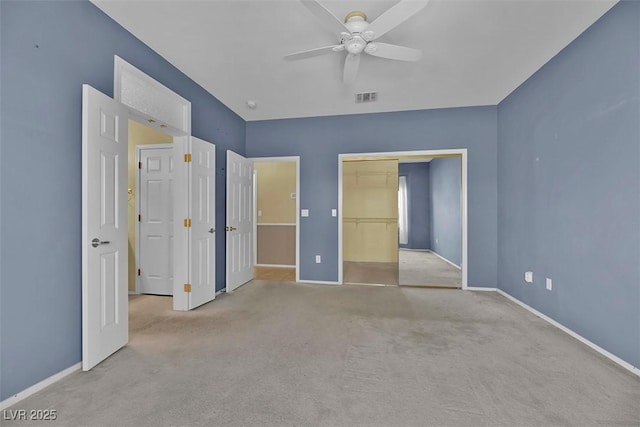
355	45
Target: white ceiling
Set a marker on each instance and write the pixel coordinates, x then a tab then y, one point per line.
475	52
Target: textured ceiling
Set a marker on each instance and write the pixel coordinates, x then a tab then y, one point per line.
475	52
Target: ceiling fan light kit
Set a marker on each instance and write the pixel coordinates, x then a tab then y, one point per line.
360	34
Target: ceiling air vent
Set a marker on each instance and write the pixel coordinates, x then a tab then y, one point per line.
366	97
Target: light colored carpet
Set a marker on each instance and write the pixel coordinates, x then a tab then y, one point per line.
423	268
284	354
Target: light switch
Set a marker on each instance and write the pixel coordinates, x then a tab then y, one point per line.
259	213
334	212
304	212
293	196
528	276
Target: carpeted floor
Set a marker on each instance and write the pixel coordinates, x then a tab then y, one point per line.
423	268
284	354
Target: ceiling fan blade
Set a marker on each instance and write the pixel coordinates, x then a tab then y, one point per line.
392	51
325	16
351	64
314	52
395	16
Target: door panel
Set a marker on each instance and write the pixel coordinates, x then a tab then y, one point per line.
239	228
156	220
203	222
105	322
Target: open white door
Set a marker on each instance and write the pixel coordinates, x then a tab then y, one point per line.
105	317
239	228
202	191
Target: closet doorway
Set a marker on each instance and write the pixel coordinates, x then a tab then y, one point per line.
430	222
383	227
370	221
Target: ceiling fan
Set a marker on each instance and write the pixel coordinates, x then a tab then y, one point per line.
357	35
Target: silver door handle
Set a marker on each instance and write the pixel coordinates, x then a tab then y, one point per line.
97	242
212	230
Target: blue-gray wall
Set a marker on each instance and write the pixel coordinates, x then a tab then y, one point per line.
444	198
40	171
417	175
569	185
319	140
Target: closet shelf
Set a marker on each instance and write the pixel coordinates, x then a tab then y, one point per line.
363	174
362	220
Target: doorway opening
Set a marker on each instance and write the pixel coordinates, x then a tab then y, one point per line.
150	210
276	233
370	221
393	220
430	226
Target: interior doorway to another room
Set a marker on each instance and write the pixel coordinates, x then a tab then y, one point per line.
276	225
430	226
150	208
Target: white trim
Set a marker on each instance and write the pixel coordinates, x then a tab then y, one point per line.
10	401
287	224
318	282
446	260
481	289
276	265
296	160
150	99
462	152
575	335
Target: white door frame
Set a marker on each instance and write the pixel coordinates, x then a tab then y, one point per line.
462	152
155	105
288	159
139	148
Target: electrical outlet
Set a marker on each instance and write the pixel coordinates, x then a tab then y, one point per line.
259	213
318	259
528	276
334	212
549	284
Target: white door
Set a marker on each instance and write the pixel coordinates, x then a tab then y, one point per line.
105	321
202	191
155	262
239	228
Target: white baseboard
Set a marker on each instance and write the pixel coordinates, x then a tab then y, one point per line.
575	335
223	290
10	401
478	288
446	260
318	282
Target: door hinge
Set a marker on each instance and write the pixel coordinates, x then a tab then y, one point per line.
139	165
138	272
139	217
187	287
187	222
187	158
